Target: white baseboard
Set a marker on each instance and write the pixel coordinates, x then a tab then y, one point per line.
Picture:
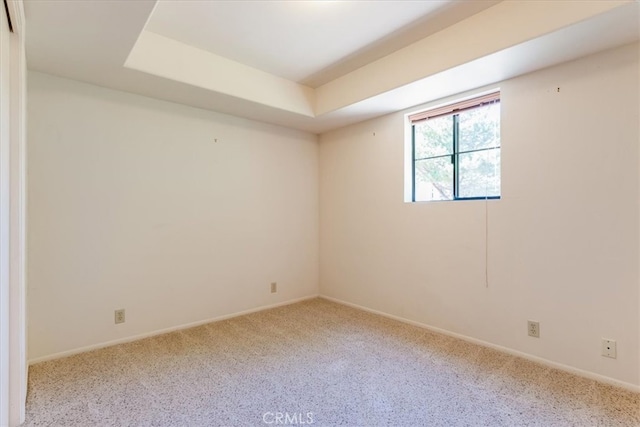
540	360
166	330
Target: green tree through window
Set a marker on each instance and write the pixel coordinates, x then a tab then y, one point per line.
456	155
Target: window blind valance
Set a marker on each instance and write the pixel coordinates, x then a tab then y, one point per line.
456	108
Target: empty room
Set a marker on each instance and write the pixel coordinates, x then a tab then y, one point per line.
359	213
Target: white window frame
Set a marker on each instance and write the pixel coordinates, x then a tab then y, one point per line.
450	107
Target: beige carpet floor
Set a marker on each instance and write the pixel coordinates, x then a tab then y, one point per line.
315	363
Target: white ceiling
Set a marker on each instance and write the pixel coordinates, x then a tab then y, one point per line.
314	65
291	39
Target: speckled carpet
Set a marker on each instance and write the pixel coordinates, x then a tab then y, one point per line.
315	363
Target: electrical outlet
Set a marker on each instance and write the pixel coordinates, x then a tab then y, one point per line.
533	328
274	287
609	348
119	316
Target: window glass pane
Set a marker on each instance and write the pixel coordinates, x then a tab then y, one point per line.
479	128
479	174
434	137
434	179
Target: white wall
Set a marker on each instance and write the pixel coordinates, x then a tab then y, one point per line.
132	204
563	240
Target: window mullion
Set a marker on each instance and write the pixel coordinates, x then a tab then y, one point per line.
454	157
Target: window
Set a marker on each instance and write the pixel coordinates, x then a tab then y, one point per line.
455	151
